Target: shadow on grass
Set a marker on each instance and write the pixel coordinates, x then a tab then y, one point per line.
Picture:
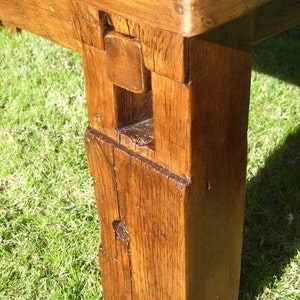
278	56
272	218
272	214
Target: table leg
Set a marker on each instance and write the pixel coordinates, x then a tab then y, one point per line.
168	158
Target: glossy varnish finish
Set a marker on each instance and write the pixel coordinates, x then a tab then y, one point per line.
166	142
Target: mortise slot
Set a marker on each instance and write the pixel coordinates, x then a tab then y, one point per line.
131	107
135	117
132	88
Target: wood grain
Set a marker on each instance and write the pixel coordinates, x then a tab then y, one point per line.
219	149
183	204
167	136
186	17
172	103
100	92
132	108
125	63
89	24
49	19
154	264
164	52
114	255
275	17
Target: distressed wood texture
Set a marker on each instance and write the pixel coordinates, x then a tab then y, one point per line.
166	142
172	178
186	17
49	19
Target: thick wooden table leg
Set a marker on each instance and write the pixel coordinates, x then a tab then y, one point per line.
167	149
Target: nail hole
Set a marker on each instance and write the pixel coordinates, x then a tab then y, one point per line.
207	186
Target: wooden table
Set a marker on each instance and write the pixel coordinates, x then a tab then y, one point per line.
167	87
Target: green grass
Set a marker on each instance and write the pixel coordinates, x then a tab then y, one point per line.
271	250
48	224
49	234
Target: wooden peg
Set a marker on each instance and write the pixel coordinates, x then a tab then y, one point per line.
125	64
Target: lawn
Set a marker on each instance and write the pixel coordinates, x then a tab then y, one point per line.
49	233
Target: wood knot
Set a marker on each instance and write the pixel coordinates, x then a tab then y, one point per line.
179	8
209	22
121	231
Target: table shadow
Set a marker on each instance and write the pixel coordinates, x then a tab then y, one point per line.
279	56
272	213
272	218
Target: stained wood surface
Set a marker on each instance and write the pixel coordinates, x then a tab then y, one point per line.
150	205
186	17
274	17
124	54
171	206
158	47
49	19
100	92
167	136
214	214
70	22
89	24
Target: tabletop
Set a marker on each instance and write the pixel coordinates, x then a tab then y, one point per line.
55	20
187	17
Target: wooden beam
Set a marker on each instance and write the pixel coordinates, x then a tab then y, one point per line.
275	17
186	17
171	210
49	19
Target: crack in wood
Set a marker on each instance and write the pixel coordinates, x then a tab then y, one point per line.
91	134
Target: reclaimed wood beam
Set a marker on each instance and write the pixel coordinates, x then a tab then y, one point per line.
49	19
186	17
